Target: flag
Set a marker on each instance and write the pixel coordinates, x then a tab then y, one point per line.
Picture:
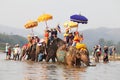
58	28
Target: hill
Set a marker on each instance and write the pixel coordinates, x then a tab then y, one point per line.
14	31
92	36
12	40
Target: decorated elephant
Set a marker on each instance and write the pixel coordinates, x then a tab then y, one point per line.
52	49
26	49
73	57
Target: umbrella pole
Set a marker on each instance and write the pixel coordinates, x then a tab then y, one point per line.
77	29
32	32
46	24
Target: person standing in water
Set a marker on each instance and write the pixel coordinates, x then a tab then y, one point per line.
105	58
7	49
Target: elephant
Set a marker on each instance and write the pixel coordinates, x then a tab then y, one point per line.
73	57
29	51
25	51
52	47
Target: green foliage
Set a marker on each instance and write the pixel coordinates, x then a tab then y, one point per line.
110	43
12	40
118	47
104	42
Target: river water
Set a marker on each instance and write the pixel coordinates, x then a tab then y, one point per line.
26	70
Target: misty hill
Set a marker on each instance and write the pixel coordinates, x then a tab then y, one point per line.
12	40
92	36
14	31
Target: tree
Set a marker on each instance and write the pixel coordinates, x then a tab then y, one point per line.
109	43
118	47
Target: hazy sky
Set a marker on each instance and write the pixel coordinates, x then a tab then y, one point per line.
100	13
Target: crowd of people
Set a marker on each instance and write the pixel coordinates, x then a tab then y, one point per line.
12	53
97	52
71	38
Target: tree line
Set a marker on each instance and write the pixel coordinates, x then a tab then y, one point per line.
104	42
11	39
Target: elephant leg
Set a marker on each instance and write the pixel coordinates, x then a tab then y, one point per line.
29	57
33	57
48	58
53	59
36	57
78	63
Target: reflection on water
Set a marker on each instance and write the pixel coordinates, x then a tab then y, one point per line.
25	70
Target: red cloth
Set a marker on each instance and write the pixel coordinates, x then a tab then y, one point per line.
46	34
9	51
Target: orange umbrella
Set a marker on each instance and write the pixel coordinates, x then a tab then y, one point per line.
30	25
44	17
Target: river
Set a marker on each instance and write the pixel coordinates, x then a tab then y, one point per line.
26	70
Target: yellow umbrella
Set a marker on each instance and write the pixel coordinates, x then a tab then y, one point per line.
44	17
30	25
70	24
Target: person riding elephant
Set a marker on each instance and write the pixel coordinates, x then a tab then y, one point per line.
40	51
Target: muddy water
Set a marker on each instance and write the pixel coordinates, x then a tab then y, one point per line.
25	70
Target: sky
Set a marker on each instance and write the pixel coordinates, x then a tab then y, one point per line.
100	13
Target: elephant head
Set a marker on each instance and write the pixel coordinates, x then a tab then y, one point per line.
75	56
84	56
